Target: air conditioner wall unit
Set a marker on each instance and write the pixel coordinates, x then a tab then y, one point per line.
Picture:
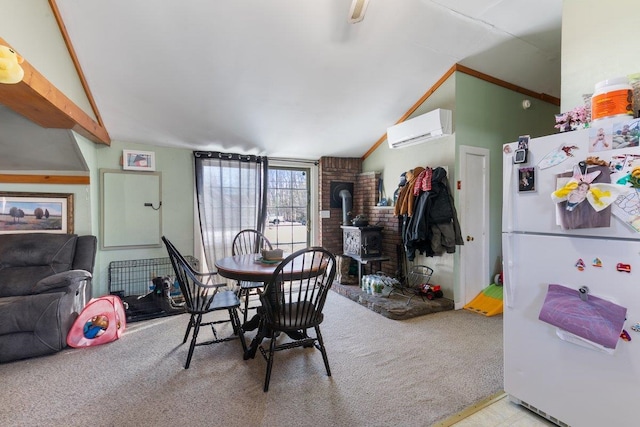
426	127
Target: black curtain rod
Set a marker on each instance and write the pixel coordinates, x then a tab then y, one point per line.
228	156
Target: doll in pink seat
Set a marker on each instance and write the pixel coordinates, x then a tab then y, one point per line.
95	326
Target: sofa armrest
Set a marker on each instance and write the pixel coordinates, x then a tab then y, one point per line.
72	279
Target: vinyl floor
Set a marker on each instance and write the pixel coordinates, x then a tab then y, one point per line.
500	413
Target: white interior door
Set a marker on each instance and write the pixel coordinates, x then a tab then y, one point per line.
474	222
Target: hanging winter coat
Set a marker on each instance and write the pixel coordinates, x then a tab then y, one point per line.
406	200
434	228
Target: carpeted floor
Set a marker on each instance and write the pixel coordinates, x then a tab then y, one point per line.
397	306
386	372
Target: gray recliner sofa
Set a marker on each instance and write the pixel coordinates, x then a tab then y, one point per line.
45	282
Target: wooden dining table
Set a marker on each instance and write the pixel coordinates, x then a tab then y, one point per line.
247	267
250	267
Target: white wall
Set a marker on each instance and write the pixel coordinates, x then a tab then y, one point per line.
599	41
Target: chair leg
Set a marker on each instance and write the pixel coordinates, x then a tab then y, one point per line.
247	294
323	351
237	327
250	353
196	329
189	326
272	346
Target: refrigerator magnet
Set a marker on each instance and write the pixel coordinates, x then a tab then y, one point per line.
526	179
625	268
580	265
624	335
600	138
520	156
523	142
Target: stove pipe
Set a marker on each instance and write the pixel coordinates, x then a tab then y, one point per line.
346	206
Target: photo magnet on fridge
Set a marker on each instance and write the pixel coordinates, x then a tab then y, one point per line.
520	155
523	142
526	179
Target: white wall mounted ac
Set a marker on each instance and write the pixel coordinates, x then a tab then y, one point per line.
423	128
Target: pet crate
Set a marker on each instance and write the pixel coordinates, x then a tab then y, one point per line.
133	282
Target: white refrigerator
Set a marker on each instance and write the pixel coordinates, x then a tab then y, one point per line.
565	377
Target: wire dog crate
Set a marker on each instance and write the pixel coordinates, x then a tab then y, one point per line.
133	282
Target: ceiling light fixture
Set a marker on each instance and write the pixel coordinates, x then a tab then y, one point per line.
358	8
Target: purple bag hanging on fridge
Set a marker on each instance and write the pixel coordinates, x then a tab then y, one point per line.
594	320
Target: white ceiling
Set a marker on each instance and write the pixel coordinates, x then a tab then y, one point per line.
292	78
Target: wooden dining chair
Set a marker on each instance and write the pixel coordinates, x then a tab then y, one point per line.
248	242
202	296
293	301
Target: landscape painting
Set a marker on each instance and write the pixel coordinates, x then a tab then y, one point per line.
36	212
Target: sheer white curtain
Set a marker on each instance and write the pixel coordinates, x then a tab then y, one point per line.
231	194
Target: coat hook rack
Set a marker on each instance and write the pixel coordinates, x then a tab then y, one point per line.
152	207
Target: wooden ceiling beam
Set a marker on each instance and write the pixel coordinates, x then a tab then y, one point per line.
37	99
44	179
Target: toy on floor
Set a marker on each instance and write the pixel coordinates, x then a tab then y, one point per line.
95	326
101	321
431	291
489	300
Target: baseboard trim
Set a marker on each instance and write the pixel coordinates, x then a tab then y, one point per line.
471	410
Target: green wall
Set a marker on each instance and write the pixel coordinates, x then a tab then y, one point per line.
391	163
484	115
176	167
52	59
489	116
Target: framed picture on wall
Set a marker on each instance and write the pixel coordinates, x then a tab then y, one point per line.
36	212
138	160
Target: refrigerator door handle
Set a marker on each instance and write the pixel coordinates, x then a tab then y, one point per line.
508	271
508	198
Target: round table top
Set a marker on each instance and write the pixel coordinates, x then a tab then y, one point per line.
245	267
251	269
